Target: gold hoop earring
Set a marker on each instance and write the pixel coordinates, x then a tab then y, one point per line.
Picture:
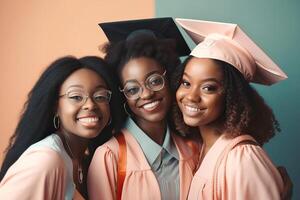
128	113
56	121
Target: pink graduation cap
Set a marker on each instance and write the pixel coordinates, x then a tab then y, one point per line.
229	43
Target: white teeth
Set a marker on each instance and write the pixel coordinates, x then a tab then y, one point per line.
150	105
89	119
192	109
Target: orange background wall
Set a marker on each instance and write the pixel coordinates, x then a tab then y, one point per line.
35	32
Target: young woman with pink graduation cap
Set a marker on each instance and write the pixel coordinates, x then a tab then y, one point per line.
215	98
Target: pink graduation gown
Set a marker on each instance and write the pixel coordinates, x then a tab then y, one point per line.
140	182
248	173
43	171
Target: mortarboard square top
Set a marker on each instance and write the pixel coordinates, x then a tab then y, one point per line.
229	43
161	28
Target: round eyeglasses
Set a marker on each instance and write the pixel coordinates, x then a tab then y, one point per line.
133	90
79	97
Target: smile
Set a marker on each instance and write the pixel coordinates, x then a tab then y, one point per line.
151	106
89	119
89	122
192	110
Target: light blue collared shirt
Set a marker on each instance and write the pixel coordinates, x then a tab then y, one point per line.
164	160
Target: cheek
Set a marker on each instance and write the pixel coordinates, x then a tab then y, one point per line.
67	113
217	105
180	94
105	110
131	104
166	93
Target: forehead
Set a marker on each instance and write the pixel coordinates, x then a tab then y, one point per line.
203	68
84	78
139	68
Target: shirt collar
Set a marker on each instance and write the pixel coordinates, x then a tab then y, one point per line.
150	148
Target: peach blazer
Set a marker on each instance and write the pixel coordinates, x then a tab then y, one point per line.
140	182
248	173
43	172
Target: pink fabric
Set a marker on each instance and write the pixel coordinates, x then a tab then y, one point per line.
37	174
248	173
229	43
140	182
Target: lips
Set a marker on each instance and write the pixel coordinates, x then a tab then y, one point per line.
89	121
149	106
192	110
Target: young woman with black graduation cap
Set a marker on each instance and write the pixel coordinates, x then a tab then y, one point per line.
146	160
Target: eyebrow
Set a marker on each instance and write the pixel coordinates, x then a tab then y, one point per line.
205	80
81	87
147	75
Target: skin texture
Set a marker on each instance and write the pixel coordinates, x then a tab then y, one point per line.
151	120
201	89
194	92
201	98
75	131
72	115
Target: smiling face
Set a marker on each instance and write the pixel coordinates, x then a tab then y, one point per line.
151	106
85	119
200	95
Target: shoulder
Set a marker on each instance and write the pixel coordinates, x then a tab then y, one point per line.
111	146
36	165
249	171
42	159
106	153
248	154
251	163
42	173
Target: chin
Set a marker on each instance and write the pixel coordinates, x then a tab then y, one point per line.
155	118
90	134
191	121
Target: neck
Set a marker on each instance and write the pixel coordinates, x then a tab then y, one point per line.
209	136
155	130
74	145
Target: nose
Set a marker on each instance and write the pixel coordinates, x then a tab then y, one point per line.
89	104
146	93
193	95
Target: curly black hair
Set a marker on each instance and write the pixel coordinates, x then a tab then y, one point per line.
245	112
162	51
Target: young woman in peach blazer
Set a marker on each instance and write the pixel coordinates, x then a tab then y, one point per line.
215	97
70	105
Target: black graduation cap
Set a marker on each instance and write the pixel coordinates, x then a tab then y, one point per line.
161	28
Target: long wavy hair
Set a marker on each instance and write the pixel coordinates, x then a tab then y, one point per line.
245	110
36	121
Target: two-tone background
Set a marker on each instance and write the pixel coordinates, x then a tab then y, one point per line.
35	32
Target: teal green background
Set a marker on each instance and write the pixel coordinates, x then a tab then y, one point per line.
275	26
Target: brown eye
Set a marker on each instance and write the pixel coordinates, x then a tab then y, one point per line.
132	90
102	96
185	83
74	96
209	89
